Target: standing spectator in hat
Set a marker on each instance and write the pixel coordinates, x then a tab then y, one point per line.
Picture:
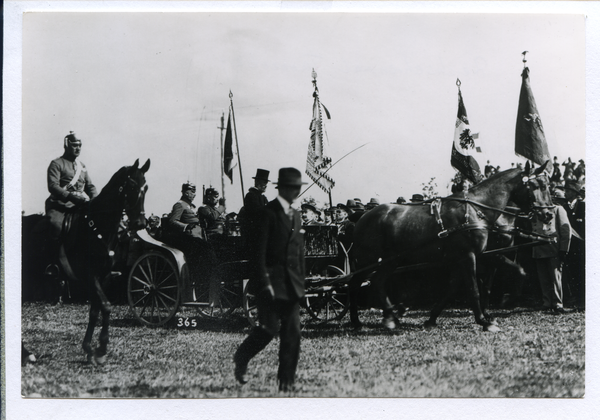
374	202
549	258
210	214
253	201
345	226
69	184
417	198
400	200
279	263
556	174
488	170
328	215
183	231
575	206
310	215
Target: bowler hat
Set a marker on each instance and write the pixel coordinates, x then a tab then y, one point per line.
400	200
262	174
417	197
289	177
188	186
343	207
311	208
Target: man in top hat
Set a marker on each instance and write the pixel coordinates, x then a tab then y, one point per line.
278	260
417	198
210	214
183	231
69	184
310	214
253	201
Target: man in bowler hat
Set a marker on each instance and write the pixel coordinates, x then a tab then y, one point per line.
278	260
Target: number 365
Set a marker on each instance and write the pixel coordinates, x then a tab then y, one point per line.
186	322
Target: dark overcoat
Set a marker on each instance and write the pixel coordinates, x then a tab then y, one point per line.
279	254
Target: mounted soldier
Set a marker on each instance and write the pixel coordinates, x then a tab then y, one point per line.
69	185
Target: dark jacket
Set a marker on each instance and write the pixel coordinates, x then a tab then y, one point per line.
279	254
254	200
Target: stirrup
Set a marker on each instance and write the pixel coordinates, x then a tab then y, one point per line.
52	271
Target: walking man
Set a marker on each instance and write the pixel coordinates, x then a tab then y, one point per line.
278	261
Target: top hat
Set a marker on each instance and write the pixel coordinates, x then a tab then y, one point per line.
417	198
188	186
71	138
311	208
289	177
400	200
262	174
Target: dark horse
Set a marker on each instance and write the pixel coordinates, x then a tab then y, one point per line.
454	233
90	238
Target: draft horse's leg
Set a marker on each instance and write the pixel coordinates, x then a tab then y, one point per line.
354	290
378	283
469	265
443	301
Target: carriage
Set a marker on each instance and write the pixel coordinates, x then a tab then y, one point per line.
157	275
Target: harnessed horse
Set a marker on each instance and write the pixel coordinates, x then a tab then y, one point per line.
87	252
453	229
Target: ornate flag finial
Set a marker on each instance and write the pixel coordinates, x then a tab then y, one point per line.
524	58
314	74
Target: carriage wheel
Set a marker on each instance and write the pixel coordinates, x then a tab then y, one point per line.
225	299
153	289
330	304
249	305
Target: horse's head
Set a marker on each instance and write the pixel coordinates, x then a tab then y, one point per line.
133	191
534	193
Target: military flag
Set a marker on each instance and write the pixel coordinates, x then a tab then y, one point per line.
317	163
530	141
229	161
464	142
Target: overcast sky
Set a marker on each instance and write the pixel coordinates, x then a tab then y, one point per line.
154	86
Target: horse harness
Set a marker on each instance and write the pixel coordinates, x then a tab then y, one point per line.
94	229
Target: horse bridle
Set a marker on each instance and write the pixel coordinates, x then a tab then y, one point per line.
140	194
532	205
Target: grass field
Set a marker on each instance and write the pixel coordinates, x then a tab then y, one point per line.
536	354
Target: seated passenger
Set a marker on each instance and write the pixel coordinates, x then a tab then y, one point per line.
210	215
183	232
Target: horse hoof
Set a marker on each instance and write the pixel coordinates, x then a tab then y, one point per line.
429	325
389	323
100	360
491	328
91	359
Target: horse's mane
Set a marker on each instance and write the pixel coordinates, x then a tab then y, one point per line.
498	178
115	180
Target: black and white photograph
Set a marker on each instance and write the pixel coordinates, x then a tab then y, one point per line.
250	204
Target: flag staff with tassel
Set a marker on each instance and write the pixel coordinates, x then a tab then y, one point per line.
236	142
222	127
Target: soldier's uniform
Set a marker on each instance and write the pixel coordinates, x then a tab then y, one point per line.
62	183
548	257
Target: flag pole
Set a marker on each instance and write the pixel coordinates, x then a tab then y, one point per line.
222	127
338	161
237	146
